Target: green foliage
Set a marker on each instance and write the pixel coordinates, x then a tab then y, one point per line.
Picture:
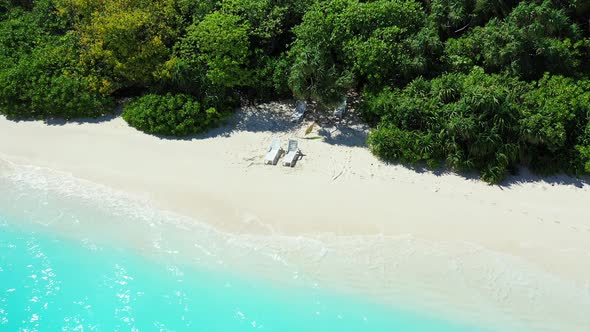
125	43
533	39
5	7
39	77
341	43
475	84
394	144
170	115
241	46
264	19
18	36
314	75
584	151
220	42
269	80
451	15
468	120
21	31
554	123
490	123
44	84
270	35
454	17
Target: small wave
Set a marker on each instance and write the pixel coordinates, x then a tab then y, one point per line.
451	278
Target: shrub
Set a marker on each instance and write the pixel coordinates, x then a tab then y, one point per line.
392	143
536	37
170	115
122	43
470	121
555	123
345	43
221	42
490	123
44	84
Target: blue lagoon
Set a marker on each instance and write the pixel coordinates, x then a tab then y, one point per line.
90	260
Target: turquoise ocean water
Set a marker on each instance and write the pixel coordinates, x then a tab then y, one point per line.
68	264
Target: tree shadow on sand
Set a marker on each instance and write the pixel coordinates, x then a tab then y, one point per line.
525	176
275	118
271	117
117	111
350	130
521	177
345	136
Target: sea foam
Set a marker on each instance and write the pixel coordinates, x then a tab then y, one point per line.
451	281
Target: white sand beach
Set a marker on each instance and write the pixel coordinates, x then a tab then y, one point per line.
519	251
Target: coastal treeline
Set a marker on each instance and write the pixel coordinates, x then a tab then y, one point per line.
484	85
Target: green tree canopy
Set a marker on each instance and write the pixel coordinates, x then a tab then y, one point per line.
170	115
341	43
469	121
221	44
533	39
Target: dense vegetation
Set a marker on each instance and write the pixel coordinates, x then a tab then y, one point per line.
483	85
489	122
176	115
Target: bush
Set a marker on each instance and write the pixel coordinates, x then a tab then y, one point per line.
470	121
392	143
240	47
345	43
221	42
170	115
44	84
490	123
535	38
122	43
555	123
44	96
5	7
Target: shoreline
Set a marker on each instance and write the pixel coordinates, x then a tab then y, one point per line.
399	272
339	191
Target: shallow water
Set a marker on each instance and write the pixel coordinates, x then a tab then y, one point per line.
51	283
77	257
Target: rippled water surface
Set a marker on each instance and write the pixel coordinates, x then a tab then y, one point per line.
87	261
50	283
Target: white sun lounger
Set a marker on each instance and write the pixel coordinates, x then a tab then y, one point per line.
274	152
300	108
292	154
340	110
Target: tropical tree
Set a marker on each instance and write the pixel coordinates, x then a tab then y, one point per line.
342	43
170	115
533	39
469	121
554	126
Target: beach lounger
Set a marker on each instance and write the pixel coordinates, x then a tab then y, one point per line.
300	108
292	155
274	152
340	110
